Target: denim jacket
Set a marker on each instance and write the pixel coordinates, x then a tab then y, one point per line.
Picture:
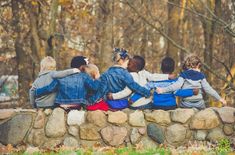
114	80
45	78
71	89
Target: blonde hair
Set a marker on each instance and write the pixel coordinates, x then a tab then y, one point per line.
192	62
48	63
118	54
92	70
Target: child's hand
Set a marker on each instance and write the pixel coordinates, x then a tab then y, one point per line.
110	96
97	75
159	90
195	91
223	101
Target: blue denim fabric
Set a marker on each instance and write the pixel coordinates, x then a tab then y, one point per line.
114	80
71	89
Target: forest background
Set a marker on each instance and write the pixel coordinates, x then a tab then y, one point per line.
32	29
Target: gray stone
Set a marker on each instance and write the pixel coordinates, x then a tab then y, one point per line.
14	130
113	135
176	134
52	143
135	136
200	135
97	117
6	113
36	137
205	119
137	119
40	120
159	116
89	132
155	133
228	129
70	142
56	126
215	134
76	117
73	130
117	117
147	143
227	114
181	115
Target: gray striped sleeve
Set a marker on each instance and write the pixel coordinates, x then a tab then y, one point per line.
175	86
209	90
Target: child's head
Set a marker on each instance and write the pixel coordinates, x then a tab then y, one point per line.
92	70
120	57
79	62
192	62
168	65
47	64
136	64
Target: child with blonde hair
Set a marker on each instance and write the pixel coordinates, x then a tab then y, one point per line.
191	78
45	77
94	72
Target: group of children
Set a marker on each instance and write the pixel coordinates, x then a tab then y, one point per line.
124	85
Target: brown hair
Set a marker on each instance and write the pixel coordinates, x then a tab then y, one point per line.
191	62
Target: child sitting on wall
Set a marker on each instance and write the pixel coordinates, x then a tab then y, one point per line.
190	78
45	77
93	71
115	79
141	76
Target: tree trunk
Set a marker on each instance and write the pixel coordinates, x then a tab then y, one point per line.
23	61
104	37
173	31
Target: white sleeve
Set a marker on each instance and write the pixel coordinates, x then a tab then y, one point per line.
156	76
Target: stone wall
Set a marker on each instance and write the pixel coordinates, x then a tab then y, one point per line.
48	128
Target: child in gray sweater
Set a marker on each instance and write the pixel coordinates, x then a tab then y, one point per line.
191	78
45	77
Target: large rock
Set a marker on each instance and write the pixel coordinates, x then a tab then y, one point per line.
70	142
56	126
182	115
117	117
176	134
137	119
200	135
52	143
228	129
97	117
73	130
147	143
40	120
135	136
14	130
36	137
6	113
76	117
227	114
113	135
205	119
159	116
215	134
155	133
89	132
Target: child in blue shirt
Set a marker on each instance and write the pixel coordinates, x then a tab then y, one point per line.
165	101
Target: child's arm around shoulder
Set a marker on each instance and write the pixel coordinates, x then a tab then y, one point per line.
209	90
155	76
64	73
175	86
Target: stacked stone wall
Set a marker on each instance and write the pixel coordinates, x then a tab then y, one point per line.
49	128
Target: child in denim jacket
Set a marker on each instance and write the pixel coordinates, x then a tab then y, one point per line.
71	90
190	78
116	78
45	77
